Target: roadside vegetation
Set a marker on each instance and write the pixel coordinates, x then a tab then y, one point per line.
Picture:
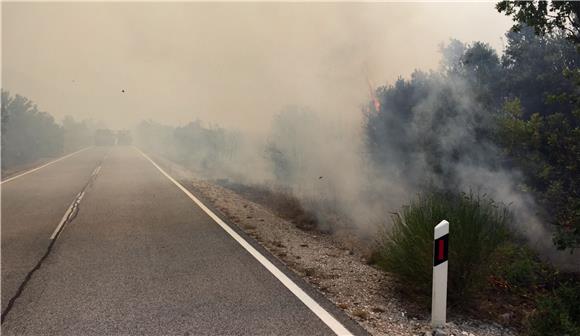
483	117
202	148
282	202
30	135
530	115
492	273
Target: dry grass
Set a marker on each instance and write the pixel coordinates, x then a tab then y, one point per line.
249	227
278	243
360	313
281	202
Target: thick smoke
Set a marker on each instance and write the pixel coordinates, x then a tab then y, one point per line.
238	65
432	131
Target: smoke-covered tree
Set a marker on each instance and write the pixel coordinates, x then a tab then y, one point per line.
293	145
27	133
205	149
156	137
542	127
433	123
477	64
547	149
77	134
533	68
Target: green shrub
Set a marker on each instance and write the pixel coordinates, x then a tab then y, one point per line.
477	227
545	147
518	269
558	314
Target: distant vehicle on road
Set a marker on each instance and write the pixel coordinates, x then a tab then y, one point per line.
124	138
105	137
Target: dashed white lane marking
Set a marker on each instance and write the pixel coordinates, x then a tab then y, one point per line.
96	171
44	165
67	214
73	206
325	316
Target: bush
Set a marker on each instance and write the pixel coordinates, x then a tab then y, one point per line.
516	268
477	228
558	314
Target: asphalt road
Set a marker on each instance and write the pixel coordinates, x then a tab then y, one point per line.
32	206
139	258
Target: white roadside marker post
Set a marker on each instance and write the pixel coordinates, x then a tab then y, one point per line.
440	266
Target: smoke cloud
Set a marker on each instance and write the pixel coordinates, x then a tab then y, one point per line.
232	64
286	85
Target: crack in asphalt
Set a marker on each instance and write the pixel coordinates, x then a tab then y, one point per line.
71	214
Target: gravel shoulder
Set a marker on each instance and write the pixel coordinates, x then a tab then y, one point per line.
335	268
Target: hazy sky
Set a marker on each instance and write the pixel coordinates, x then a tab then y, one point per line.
235	64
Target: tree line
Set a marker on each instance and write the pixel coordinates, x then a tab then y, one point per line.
29	134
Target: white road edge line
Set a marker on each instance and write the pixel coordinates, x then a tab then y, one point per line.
325	316
44	165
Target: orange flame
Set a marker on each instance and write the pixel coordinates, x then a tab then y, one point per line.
376	102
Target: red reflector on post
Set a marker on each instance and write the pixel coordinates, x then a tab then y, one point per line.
440	250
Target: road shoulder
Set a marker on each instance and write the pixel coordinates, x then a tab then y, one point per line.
336	273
